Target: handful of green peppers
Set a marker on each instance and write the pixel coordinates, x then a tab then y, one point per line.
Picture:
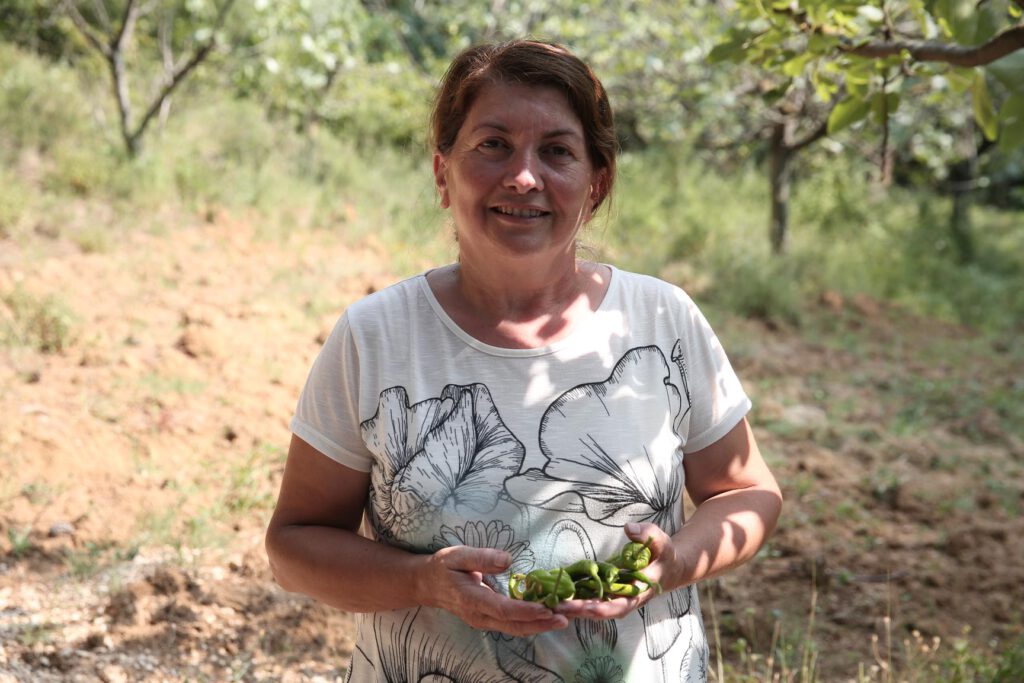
619	576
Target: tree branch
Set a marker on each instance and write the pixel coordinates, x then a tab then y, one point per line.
119	70
1004	43
811	137
101	14
87	31
124	33
182	71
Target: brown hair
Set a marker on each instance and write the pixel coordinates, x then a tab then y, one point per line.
527	62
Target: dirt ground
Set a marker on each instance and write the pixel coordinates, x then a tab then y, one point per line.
140	457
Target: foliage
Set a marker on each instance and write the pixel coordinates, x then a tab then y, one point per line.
31	25
40	102
311	58
867	55
178	36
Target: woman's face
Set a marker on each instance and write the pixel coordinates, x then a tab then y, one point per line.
518	179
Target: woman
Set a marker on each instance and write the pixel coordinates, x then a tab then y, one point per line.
518	409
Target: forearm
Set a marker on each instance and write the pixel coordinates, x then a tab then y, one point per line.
725	531
343	569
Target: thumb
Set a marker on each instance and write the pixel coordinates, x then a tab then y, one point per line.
641	532
484	560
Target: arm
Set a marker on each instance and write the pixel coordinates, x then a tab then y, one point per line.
314	548
738	503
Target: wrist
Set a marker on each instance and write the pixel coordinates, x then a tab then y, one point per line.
675	572
421	579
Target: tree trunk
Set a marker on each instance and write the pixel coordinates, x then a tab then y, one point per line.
962	178
779	175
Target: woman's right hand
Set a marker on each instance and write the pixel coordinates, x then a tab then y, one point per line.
454	581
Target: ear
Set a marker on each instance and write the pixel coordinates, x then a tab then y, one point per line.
441	178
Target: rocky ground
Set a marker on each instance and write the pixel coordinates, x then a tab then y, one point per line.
145	387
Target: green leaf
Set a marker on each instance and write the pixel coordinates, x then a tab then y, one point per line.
1010	71
981	102
991	18
884	105
733	48
958	18
1011	119
846	113
795	66
960	80
871	13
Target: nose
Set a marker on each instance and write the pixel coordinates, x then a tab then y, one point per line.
524	173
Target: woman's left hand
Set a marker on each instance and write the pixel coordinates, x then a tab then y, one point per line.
662	558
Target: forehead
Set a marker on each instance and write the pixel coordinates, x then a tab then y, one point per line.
515	105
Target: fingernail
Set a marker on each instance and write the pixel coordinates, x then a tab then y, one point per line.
632	528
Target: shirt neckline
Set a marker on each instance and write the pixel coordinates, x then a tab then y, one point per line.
577	335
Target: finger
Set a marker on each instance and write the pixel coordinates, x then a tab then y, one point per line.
641	532
491	611
551	622
599	609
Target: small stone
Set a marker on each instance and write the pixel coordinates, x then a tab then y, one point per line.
113	674
61	529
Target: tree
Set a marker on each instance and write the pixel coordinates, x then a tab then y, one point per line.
115	41
864	56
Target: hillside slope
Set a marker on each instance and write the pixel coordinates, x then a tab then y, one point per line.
146	387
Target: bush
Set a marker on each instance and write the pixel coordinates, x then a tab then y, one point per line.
45	324
39	103
13	202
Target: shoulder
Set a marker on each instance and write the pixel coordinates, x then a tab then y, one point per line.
398	304
378	315
647	290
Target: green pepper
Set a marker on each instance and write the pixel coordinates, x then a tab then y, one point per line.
589	589
607	572
517	586
549	586
626	590
637	575
584	569
633	555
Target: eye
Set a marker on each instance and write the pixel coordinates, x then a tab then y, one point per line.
492	144
560	151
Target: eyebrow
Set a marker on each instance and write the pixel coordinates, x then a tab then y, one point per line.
558	132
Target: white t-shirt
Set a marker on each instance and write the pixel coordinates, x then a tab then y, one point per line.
545	453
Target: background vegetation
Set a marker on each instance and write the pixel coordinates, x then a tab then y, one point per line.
775	155
903	180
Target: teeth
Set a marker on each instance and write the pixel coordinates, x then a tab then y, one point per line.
519	213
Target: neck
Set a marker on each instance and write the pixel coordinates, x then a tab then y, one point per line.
519	307
517	292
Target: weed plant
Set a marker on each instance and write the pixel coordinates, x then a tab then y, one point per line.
44	323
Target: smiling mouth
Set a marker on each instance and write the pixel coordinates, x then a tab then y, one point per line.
519	213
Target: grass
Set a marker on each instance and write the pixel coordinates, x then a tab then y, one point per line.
793	654
20	540
790	654
158	385
92	557
41	322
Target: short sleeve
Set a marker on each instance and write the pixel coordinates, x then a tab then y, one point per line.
327	414
718	401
